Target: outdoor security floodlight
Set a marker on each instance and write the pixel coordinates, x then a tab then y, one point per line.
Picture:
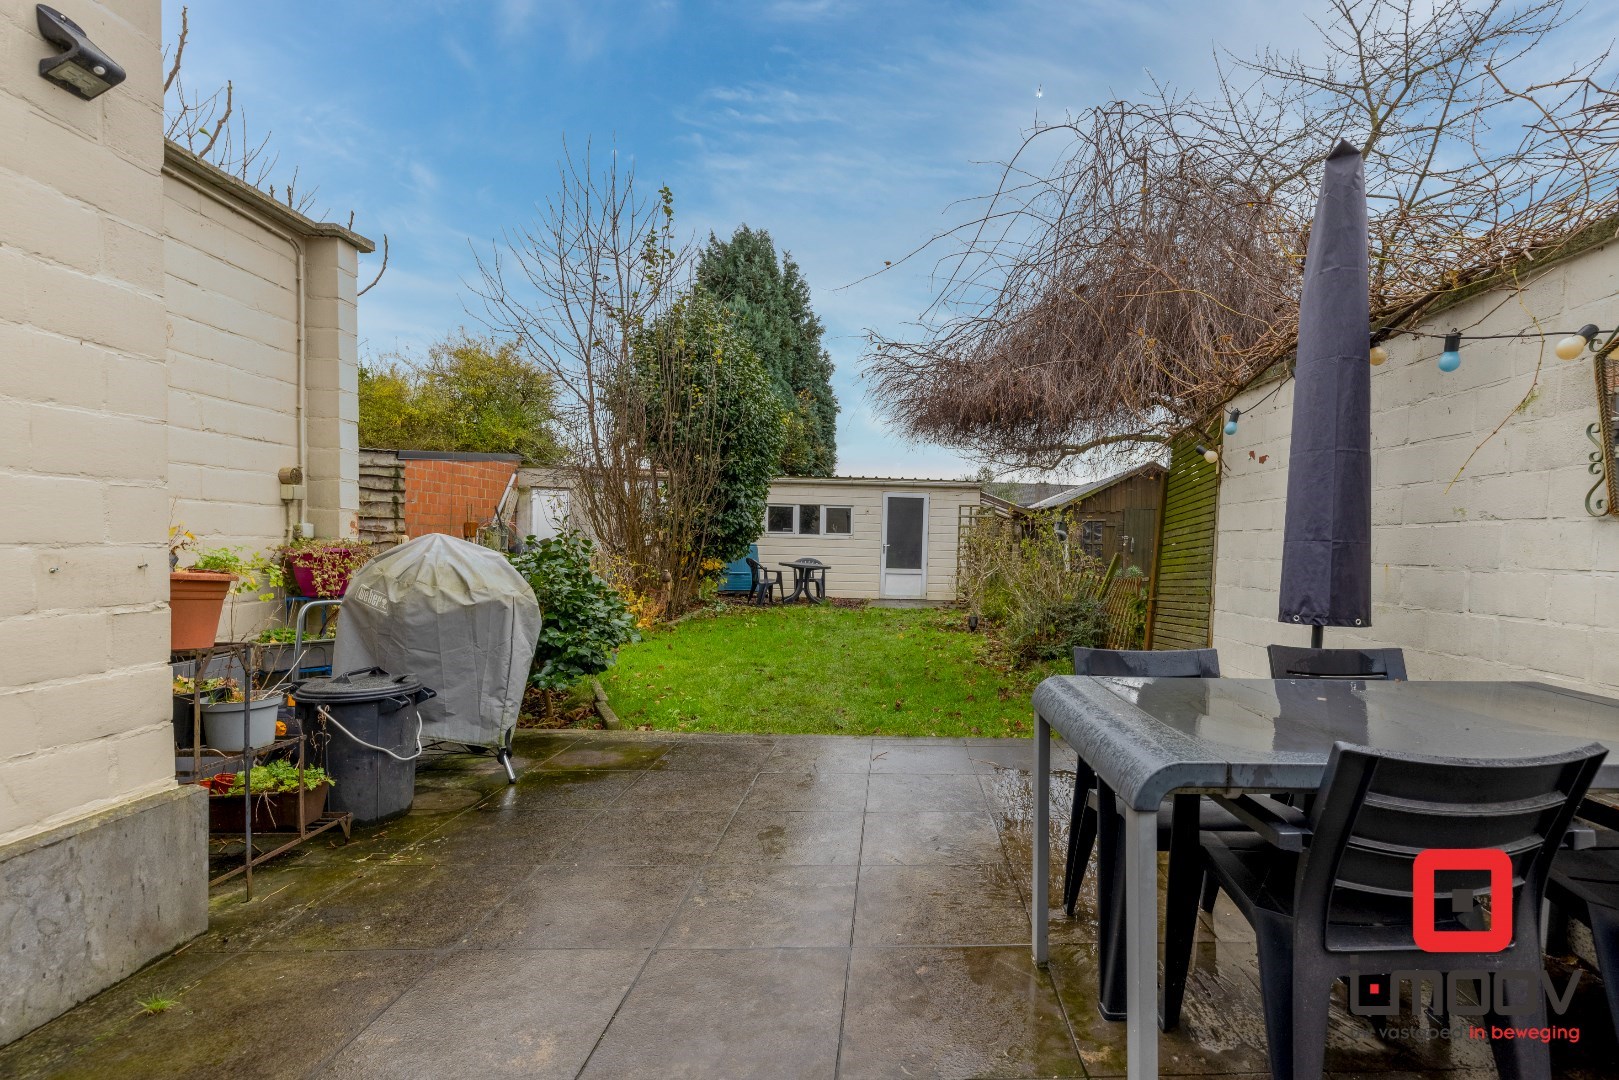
83	69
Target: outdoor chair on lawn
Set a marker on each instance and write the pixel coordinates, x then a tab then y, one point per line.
1094	814
1290	662
1585	885
1330	894
764	581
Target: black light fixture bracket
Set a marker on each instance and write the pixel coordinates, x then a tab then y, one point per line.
82	69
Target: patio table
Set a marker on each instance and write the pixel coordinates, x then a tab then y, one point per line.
1148	739
804	578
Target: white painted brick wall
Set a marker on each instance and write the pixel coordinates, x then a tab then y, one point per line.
1500	574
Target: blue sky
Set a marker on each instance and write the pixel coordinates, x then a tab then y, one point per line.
847	129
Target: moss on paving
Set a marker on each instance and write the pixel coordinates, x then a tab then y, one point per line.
821	670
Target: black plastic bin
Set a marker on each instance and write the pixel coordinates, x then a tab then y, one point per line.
372	738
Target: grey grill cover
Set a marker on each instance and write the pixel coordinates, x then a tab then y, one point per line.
456	615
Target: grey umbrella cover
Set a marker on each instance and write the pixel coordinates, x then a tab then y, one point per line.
1327	538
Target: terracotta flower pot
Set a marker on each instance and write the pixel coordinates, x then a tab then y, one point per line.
195	601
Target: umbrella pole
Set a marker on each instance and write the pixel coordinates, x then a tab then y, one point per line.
1316	634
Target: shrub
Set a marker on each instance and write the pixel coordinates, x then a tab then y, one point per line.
1042	597
584	618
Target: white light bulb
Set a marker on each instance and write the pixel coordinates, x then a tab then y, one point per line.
1570	347
1211	456
1378	356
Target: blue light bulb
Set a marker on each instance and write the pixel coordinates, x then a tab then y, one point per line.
1451	358
1230	427
1231	417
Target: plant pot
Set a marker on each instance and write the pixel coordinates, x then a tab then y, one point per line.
222	723
196	598
271	813
469	530
303	573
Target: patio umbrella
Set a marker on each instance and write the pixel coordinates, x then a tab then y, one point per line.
1327	536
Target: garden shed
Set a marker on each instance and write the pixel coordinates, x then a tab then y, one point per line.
883	538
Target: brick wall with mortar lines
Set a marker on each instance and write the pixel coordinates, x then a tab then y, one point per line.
439	493
84	698
1501	575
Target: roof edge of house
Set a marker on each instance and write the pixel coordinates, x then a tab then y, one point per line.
178	159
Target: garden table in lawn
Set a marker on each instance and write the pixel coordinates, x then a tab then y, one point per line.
809	579
1148	739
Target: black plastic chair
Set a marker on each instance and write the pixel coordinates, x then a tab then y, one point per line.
814	578
1094	815
1330	893
764	581
1290	662
1585	886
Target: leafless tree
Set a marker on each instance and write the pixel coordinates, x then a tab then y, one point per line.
1102	303
593	292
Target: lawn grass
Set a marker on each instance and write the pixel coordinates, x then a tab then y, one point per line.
820	670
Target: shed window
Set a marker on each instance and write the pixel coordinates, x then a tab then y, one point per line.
1090	539
839	520
779	519
809	519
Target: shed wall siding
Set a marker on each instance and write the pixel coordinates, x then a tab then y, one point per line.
855	559
1499	575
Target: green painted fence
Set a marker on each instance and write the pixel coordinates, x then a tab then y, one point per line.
1183	574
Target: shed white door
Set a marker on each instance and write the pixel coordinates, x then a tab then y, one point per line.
905	545
550	512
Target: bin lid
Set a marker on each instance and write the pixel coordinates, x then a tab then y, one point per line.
366	684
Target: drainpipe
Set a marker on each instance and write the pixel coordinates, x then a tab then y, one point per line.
293	242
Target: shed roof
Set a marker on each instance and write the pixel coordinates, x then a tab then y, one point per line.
1085	491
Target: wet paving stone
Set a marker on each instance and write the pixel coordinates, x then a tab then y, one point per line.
464	1018
939	905
807	790
765	907
902	758
822	754
677	790
605	753
952	1013
642	837
703	1013
587	907
917	791
574	788
401	907
717	755
924	837
792	837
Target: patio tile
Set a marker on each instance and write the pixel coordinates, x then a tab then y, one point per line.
282	1021
401	907
792	837
458	1020
677	790
609	754
831	753
717	755
504	836
748	907
963	839
699	1013
645	837
574	788
953	1013
939	905
900	758
918	791
808	790
587	907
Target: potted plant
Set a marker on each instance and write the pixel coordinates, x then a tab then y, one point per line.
274	787
321	568
196	594
222	718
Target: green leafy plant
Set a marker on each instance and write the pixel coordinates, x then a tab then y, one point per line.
255	573
213	690
277	635
156	1004
1041	596
278	778
585	620
327	564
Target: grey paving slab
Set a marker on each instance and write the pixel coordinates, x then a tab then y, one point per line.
704	1013
833	753
644	837
902	758
792	837
952	1013
609	754
807	790
737	906
681	790
939	905
929	836
919	791
530	1015
566	906
401	907
717	756
574	788
513	836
